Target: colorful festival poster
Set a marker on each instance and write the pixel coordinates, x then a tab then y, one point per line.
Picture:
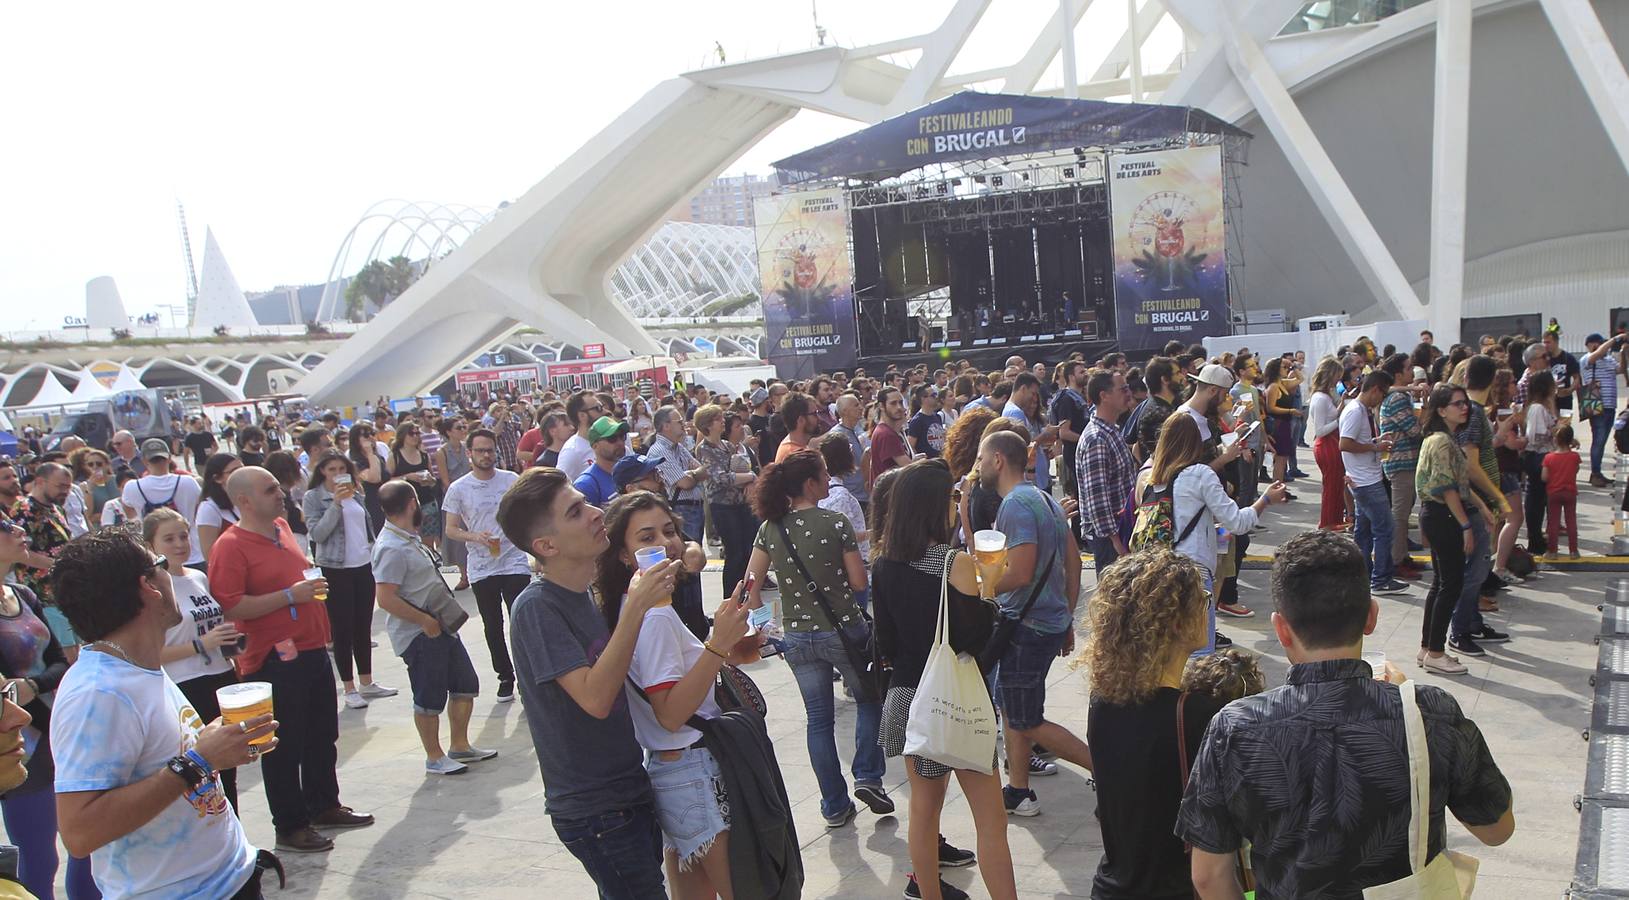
808	287
1170	269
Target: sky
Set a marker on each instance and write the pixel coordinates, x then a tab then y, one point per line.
277	132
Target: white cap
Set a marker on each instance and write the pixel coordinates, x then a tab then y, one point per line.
1217	375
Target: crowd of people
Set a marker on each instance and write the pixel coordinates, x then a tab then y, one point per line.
844	509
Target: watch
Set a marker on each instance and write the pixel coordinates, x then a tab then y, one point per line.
189	771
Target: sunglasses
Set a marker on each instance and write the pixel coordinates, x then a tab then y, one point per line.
9	692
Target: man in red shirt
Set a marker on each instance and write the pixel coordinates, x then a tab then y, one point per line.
257	572
888	448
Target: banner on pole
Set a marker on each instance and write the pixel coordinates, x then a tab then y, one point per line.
1170	268
807	282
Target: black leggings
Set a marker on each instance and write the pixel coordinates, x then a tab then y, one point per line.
350	616
1537	503
1447	542
200	692
492	595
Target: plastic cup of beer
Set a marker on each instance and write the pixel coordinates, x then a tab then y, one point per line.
312	574
492	546
1377	662
645	557
451	575
244	701
989	549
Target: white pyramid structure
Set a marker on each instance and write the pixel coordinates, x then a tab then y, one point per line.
89	389
103	308
220	300
127	381
51	393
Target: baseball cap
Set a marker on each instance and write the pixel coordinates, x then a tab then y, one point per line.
153	448
757	397
1595	338
606	427
1217	375
630	469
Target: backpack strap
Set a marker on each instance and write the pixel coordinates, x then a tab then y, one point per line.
1193	522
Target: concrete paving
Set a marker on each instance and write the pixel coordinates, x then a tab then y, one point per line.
485	835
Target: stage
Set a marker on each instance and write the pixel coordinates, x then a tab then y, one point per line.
986	225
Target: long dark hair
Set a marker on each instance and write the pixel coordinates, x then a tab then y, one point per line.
882	495
1441	396
317	478
780	482
923	487
614	574
357	454
213	489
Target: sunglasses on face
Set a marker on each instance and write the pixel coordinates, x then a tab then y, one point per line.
9	692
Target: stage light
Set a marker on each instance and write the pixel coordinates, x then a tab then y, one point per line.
1069	172
996	180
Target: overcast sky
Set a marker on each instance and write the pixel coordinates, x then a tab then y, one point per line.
278	131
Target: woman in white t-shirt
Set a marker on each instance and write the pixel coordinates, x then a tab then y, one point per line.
336	520
215	513
676	672
198	651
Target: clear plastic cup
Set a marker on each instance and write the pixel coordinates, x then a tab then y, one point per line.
312	574
1377	662
244	701
645	557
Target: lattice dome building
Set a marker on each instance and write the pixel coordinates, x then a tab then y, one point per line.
690	269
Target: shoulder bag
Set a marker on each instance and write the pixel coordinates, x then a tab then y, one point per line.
861	646
951	719
1450	875
1001	637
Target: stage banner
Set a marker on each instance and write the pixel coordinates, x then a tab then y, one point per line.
1170	271
807	282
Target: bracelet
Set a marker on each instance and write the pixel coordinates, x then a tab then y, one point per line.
188	771
198	758
1465	526
198	648
714	650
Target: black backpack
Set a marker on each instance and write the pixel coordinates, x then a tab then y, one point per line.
147	503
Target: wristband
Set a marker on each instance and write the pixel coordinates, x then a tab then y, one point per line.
188	770
198	758
1465	526
714	650
288	594
198	648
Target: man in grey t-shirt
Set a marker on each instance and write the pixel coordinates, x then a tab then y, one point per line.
570	670
438	667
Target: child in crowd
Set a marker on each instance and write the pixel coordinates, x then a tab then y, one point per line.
1227	675
113	510
1561	486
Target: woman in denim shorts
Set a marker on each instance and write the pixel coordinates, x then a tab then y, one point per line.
675	672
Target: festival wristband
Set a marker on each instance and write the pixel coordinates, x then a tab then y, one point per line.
198	648
288	594
198	758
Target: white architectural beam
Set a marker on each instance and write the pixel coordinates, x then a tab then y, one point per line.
1450	146
1119	56
1023	75
1317	172
1594	58
1136	36
1066	27
1207	69
938	52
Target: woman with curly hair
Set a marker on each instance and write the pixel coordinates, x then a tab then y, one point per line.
1148	615
980	503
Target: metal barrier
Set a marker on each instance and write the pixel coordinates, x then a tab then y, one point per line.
1602	867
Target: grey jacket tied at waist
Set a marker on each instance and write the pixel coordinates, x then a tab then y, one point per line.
325	526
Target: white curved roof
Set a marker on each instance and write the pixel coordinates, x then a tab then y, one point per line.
685	268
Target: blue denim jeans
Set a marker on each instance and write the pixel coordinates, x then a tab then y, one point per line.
690	513
1467	619
620	850
1600	434
1373	530
812	656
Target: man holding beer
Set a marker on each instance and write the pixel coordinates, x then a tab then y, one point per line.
153	821
498	572
257	572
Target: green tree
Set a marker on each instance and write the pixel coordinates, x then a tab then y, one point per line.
379	282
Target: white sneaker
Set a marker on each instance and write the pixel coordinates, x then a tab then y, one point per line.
375	690
355	700
473	754
1444	665
445	766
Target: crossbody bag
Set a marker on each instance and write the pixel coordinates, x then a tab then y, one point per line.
861	649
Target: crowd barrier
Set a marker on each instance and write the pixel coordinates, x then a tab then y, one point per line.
1602	867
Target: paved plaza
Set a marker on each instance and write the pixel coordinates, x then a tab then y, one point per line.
484	834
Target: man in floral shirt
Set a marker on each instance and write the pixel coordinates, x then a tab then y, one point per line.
41	516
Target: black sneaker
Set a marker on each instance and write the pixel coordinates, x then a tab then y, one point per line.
1389	586
874	797
842	818
1223	640
1465	646
1040	752
1021	802
946	890
952	857
1488	636
506	692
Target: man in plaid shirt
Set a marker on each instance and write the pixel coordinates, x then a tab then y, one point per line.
1104	468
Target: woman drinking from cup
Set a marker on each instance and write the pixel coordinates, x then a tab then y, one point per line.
338	524
198	651
370	470
215	513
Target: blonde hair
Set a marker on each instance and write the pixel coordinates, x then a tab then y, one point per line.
1146	603
1179	446
156	520
1326	375
705	416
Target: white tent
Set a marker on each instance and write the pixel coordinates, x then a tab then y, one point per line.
639	364
127	381
89	389
51	393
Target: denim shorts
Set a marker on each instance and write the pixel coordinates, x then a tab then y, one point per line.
437	668
1022	677
692	805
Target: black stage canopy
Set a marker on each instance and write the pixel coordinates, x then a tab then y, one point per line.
972	125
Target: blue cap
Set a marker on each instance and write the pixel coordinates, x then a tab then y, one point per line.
630	469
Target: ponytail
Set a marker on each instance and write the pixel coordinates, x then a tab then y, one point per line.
780	482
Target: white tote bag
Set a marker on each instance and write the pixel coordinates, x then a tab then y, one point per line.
952	720
1451	874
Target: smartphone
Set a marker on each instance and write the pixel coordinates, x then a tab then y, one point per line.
1340	389
1251	431
746	587
232	649
770	648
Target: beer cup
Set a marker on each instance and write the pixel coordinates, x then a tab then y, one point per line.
312	574
244	701
646	557
1377	663
989	549
492	547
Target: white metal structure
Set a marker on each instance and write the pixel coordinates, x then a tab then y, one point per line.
220	300
414	229
1348	147
103	308
686	269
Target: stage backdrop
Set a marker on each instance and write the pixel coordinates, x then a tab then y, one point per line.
1170	272
808	288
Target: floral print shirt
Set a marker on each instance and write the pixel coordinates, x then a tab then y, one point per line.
821	537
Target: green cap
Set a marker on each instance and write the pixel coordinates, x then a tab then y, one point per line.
605	428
